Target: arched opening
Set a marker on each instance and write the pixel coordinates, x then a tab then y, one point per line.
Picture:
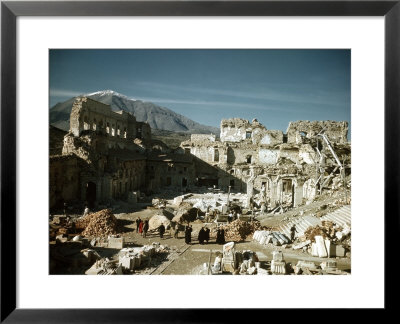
90	194
86	125
184	182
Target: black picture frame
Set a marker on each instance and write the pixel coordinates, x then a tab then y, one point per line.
10	10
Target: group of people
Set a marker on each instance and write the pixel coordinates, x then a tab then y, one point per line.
204	235
142	227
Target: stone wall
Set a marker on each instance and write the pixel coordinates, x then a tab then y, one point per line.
88	114
250	157
202	138
298	130
64	180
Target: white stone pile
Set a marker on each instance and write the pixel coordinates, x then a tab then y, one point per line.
267	237
134	258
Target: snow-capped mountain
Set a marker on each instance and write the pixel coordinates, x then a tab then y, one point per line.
156	116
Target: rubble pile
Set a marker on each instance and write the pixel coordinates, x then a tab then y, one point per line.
159	203
156	221
101	223
238	230
186	213
139	257
104	266
328	230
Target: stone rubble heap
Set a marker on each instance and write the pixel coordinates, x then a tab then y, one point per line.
239	230
134	258
101	223
328	230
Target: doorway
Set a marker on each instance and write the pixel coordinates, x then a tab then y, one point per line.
90	194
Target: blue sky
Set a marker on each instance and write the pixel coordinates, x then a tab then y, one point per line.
274	86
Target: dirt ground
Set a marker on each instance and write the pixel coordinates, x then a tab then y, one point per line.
188	259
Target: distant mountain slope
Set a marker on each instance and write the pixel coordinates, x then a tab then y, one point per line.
156	116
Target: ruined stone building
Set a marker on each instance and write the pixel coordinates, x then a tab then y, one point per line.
109	155
287	168
103	155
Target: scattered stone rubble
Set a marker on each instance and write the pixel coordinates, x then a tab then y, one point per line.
129	260
102	223
236	262
186	213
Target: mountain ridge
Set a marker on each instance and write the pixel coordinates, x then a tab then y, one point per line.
156	116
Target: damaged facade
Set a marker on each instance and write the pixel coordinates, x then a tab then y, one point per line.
109	155
284	168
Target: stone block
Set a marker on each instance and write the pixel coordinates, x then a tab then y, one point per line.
127	262
319	241
277	256
339	251
116	243
278	267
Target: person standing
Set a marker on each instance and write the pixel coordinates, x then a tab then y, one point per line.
201	236
207	234
188	234
222	235
141	227
176	233
145	227
161	230
293	232
138	220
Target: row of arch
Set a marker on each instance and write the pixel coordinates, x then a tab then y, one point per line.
111	129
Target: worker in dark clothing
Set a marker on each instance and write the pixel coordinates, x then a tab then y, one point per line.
188	234
293	232
145	227
206	234
221	236
161	230
201	236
